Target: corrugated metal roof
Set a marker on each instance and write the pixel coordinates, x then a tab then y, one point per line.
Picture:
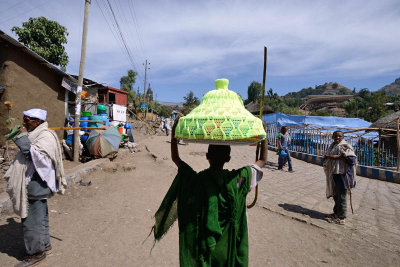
12	41
104	88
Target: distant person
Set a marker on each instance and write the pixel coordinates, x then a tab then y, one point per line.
284	140
34	175
340	171
168	126
162	125
210	207
128	128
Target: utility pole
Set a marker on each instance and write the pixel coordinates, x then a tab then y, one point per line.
147	100
144	88
80	81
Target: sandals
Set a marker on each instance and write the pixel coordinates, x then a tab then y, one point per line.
48	249
332	218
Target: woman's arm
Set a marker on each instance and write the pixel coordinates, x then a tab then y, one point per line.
280	142
263	154
174	145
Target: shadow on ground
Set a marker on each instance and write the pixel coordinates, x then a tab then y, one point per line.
11	239
271	166
299	209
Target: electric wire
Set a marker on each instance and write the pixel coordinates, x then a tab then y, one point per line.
24	13
136	24
118	34
122	37
130	34
116	37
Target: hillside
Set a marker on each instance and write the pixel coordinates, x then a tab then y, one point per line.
391	89
171	104
331	88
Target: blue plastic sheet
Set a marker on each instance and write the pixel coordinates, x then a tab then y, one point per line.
326	122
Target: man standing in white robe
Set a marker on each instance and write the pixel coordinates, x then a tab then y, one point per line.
34	175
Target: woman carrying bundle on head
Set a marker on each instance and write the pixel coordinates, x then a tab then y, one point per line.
211	205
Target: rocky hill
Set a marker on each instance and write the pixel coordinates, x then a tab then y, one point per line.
331	88
391	89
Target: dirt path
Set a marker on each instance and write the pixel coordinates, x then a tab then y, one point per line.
106	223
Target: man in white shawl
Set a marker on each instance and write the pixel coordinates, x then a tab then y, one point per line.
340	171
34	175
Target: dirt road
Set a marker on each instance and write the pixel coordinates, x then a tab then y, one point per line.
107	223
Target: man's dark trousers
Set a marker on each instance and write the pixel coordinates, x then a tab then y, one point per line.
340	197
36	225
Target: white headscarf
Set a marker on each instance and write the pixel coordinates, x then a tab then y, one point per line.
36	113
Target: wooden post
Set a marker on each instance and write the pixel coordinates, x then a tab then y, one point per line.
80	81
261	113
398	143
306	139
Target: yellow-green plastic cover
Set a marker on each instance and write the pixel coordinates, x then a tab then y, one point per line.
220	118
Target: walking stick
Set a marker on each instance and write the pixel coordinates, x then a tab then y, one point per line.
258	150
348	186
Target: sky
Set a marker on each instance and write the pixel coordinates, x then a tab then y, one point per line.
189	44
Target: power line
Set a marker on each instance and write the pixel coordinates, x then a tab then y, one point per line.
137	26
118	33
129	32
11	7
122	36
111	30
24	13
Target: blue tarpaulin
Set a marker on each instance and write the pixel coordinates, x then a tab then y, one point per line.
326	122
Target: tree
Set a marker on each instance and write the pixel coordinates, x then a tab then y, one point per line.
191	102
127	82
321	112
377	108
46	38
165	111
254	91
351	108
149	94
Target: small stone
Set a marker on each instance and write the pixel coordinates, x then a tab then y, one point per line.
128	167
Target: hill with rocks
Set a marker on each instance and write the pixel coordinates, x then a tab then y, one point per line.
391	89
331	88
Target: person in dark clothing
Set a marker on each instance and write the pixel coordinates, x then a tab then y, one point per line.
283	149
339	167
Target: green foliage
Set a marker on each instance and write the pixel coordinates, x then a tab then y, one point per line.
321	112
127	82
273	101
191	102
165	111
254	91
46	38
370	106
367	105
318	90
149	94
290	110
351	108
377	108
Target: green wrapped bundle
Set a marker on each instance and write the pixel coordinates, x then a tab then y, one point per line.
221	118
16	130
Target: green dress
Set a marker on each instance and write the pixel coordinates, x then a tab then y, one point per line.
211	211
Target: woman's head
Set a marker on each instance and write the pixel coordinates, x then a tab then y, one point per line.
218	155
284	129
